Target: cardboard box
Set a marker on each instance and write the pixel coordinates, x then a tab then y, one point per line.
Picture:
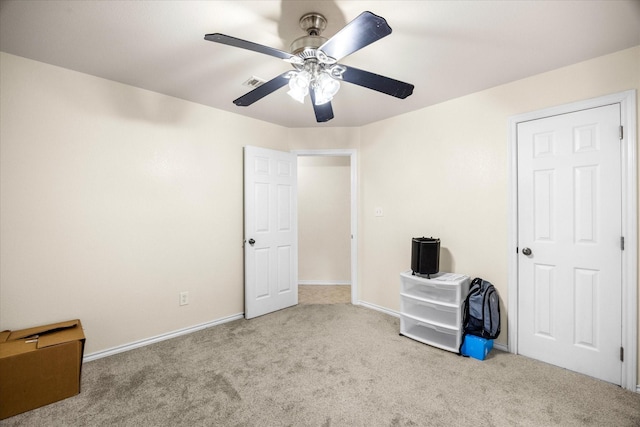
39	366
476	347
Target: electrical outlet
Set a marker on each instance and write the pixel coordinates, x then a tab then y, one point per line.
378	212
184	298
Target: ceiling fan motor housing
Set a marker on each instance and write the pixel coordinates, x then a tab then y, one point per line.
313	24
303	44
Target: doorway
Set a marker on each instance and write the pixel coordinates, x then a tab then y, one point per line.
535	316
335	268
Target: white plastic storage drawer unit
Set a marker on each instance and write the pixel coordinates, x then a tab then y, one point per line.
431	308
445	314
429	333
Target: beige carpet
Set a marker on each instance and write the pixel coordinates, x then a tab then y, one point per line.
327	365
324	294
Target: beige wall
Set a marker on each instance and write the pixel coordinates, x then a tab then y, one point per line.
324	219
114	199
442	171
319	138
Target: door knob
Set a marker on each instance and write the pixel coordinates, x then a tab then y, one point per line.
252	242
526	251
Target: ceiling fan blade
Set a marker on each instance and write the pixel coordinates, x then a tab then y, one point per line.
377	82
365	29
262	90
244	44
324	112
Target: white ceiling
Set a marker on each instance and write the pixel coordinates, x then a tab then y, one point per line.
446	49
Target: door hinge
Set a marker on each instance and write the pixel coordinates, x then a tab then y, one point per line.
621	132
622	243
622	354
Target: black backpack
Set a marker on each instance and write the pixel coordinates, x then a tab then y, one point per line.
481	310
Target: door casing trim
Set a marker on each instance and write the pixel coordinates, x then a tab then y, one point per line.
353	164
627	101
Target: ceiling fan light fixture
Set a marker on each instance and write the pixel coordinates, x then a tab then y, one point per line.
297	94
299	85
325	88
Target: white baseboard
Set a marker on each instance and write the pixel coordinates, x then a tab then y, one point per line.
158	338
190	329
501	347
379	308
323	282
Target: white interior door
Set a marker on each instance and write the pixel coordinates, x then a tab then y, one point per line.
270	230
569	241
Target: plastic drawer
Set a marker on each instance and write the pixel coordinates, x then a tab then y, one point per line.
436	289
445	314
437	336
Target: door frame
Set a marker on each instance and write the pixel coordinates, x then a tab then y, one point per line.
353	164
628	115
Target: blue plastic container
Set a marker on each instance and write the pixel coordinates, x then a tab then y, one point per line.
476	347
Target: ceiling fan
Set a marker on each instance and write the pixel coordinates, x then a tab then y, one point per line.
315	62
